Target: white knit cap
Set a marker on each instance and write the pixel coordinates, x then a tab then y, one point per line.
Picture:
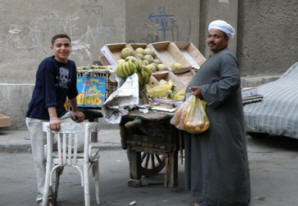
222	26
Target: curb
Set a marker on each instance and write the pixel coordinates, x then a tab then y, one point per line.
15	148
25	148
16	141
254	81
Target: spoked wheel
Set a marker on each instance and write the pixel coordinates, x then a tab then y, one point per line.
151	164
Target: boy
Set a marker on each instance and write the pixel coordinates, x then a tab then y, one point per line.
55	80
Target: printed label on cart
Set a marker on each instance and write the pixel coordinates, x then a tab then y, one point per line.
91	91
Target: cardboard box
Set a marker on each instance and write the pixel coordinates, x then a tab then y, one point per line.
4	121
169	53
191	53
112	52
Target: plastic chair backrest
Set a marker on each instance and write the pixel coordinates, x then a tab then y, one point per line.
67	140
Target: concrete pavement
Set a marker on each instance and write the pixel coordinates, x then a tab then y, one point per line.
273	169
17	184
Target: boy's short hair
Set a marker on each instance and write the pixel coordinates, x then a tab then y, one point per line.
58	36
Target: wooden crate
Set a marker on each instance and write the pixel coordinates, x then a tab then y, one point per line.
4	121
158	136
134	46
186	76
191	53
152	135
103	60
169	53
168	75
112	52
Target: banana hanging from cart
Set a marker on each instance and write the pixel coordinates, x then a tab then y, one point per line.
131	65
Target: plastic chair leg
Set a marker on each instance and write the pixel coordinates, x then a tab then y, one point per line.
46	184
59	171
86	185
96	180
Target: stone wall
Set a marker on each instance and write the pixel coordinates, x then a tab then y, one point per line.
162	20
27	27
266	42
14	100
267	36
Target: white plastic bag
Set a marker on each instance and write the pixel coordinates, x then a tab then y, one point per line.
191	116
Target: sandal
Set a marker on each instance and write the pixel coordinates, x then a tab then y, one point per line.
39	202
50	202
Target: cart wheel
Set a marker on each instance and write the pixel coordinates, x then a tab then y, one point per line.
151	164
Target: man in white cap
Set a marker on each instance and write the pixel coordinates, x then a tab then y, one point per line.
216	161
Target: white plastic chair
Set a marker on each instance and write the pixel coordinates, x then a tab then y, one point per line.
68	154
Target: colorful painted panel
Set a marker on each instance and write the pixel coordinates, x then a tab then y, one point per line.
91	91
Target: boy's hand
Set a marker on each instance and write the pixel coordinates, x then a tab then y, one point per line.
77	116
55	123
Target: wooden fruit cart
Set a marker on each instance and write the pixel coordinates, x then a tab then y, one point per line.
152	144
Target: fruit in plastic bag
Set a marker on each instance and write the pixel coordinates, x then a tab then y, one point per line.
191	116
196	120
179	116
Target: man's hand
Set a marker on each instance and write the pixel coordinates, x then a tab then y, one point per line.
55	123
77	116
196	91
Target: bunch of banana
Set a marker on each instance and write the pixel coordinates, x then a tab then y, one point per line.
144	76
128	67
135	61
132	65
179	96
163	90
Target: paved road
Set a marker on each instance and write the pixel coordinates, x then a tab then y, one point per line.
273	165
17	185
